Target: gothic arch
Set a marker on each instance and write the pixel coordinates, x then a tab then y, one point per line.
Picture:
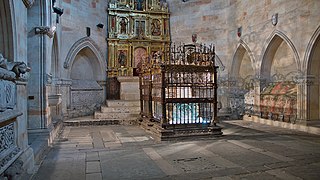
307	58
271	46
7	29
238	57
312	64
55	57
86	43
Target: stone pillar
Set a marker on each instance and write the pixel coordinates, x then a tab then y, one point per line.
39	59
63	88
307	99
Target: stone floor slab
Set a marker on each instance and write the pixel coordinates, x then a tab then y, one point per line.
93	167
245	151
92	156
94	176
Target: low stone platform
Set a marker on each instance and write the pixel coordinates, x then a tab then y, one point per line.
312	127
181	132
90	121
115	112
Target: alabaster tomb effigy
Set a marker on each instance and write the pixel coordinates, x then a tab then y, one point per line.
178	92
278	101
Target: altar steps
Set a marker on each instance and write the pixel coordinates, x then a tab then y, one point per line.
115	112
124	112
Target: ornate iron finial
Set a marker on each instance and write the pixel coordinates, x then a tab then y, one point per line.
194	38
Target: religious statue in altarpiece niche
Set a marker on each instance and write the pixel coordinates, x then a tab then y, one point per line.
123	26
139	5
155	27
140	29
122	57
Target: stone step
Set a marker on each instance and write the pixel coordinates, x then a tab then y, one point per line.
124	116
99	122
121	109
123	103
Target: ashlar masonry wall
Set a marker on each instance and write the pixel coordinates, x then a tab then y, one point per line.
246	25
79	44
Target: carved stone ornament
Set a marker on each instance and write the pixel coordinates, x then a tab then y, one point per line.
274	19
8	148
49	31
7	95
28	3
12	70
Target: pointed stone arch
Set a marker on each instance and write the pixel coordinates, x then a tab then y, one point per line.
280	61
86	43
310	49
242	49
312	64
271	46
54	66
86	68
7	30
241	74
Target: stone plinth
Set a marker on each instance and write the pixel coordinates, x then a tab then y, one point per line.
129	88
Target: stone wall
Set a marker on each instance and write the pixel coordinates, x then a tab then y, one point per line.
281	47
217	21
78	15
78	43
16	157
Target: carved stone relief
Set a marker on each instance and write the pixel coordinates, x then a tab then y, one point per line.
9	73
8	67
8	149
7	95
6	138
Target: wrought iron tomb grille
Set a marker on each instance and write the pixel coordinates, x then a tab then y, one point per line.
178	87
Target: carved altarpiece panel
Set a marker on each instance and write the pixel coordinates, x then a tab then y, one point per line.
136	29
140	55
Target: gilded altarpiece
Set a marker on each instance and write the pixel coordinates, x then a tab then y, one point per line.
137	29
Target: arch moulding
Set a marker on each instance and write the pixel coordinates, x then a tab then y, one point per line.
310	46
235	64
268	45
82	43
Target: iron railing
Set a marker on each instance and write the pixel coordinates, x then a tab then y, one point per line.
178	87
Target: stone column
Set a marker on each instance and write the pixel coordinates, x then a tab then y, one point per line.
63	88
307	90
39	58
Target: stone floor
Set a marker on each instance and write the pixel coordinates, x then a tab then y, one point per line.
247	150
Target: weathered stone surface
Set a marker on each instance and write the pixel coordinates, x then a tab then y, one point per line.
247	150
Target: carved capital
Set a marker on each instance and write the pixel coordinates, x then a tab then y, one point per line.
49	31
66	65
28	3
